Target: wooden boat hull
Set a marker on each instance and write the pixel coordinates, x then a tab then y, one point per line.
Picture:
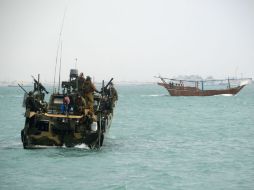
193	91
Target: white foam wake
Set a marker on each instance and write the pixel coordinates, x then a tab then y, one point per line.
82	146
224	95
154	95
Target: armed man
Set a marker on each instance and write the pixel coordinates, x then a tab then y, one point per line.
81	81
113	92
81	105
89	89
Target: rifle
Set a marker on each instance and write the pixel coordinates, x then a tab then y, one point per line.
40	85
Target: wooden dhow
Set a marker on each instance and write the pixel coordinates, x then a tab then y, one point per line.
178	87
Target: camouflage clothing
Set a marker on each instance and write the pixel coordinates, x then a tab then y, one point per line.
81	81
81	105
88	90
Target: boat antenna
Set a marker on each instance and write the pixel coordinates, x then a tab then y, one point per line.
58	46
76	60
60	66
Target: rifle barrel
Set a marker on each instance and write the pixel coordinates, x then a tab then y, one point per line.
109	82
23	88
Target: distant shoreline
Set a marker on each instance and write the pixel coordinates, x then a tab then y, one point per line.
4	84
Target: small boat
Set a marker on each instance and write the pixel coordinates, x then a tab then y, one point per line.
67	120
177	87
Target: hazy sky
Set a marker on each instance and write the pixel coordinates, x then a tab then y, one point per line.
128	40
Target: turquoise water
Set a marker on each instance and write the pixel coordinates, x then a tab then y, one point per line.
155	142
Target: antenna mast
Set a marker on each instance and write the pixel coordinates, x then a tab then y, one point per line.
60	66
76	60
58	46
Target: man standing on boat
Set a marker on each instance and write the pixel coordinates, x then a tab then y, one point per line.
81	105
89	89
81	81
113	93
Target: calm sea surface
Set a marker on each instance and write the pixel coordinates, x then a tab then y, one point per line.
155	142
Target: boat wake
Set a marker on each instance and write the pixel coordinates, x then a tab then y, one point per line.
154	95
226	95
81	146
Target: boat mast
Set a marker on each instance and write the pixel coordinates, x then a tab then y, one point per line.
228	83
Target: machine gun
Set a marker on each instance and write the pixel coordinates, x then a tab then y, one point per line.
104	88
23	89
108	99
38	86
25	96
108	83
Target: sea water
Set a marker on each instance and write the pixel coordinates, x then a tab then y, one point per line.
155	142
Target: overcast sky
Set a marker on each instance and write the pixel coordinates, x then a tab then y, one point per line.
130	40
